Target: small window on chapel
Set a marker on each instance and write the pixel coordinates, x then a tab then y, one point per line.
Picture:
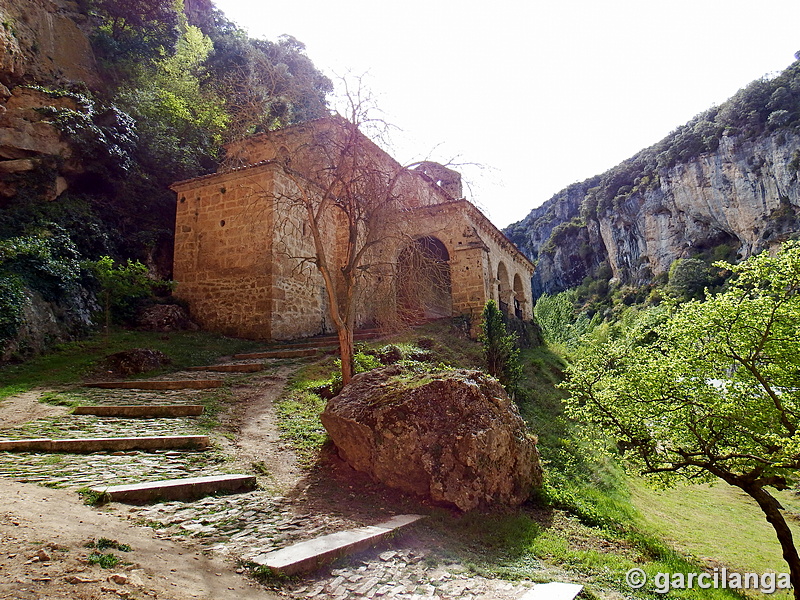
283	156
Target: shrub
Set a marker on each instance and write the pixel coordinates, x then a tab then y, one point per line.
500	349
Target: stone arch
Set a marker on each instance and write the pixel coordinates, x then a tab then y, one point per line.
424	286
519	297
504	291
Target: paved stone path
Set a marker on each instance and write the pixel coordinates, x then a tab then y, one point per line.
239	526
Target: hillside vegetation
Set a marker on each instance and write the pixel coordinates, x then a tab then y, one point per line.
86	164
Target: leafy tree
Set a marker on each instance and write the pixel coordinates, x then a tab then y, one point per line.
122	286
44	260
500	348
688	278
267	85
134	31
713	393
557	317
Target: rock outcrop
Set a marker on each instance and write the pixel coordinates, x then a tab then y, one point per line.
43	46
453	437
45	323
164	317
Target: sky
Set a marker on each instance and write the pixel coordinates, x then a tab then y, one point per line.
529	97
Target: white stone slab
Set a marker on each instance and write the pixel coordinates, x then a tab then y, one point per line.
553	591
309	555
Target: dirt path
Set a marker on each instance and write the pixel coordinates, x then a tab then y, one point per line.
35	519
25	407
257	436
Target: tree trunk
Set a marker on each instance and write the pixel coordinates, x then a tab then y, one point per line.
108	316
772	512
346	352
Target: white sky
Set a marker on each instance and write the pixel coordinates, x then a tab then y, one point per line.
541	94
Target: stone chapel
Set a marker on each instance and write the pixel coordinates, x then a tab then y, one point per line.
242	248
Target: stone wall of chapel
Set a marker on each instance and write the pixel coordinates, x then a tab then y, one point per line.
239	249
223	240
303	145
299	302
499	249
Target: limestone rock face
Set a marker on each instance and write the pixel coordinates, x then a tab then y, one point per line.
43	45
44	40
745	195
453	436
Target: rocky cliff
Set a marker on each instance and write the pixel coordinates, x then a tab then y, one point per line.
42	43
45	40
716	186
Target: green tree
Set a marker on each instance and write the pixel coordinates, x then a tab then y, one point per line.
557	317
122	286
44	260
688	278
713	393
134	31
500	349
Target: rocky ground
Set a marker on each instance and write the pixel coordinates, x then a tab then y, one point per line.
202	548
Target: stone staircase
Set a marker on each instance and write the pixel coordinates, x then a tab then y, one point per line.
145	451
105	424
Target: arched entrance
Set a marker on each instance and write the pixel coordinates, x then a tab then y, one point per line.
503	288
519	297
424	288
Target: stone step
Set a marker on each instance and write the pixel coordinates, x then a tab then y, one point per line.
231	368
311	554
185	384
321	345
326	340
142	411
297	353
553	591
178	489
118	444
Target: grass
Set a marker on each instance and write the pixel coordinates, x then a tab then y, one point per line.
704	522
69	363
106	561
93	497
606	525
104	543
515	546
59	399
297	412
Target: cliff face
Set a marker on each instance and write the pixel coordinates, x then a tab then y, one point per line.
44	41
745	195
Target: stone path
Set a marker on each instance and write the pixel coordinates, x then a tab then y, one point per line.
242	526
408	574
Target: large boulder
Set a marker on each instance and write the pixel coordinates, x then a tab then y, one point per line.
165	317
135	361
452	436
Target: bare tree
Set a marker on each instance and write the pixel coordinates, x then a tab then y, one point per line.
350	196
